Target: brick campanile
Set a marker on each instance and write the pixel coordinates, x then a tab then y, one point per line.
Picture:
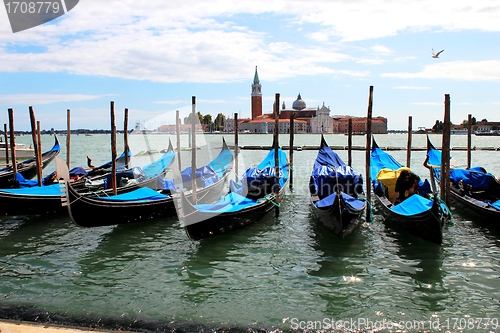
256	96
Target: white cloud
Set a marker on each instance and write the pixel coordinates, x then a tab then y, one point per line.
193	41
34	99
381	49
457	70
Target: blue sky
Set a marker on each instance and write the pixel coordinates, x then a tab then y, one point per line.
152	56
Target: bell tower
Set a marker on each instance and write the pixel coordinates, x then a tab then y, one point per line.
256	96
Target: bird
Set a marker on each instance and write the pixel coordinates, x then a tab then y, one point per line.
436	55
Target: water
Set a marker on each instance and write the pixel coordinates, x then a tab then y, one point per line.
280	273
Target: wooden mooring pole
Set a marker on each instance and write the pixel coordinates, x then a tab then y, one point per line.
469	140
193	147
113	148
408	146
445	160
12	144
292	132
6	136
125	137
369	150
39	156
35	145
276	187
68	137
236	144
349	142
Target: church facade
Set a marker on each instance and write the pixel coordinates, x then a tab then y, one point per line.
306	119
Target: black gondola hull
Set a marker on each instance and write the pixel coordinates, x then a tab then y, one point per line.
428	225
331	179
11	204
90	211
473	206
212	224
24	204
340	221
28	168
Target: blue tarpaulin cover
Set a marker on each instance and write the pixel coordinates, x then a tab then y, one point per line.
478	180
330	172
141	194
47	180
352	203
48	190
264	172
379	160
159	166
236	200
477	177
77	171
495	204
415	204
205	175
222	162
231	202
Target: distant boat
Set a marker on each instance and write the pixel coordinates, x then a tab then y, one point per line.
487	133
356	133
460	132
22	152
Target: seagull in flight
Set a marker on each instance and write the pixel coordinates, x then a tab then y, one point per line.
436	55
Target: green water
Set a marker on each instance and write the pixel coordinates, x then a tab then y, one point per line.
283	272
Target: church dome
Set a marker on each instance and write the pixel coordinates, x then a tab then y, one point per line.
299	104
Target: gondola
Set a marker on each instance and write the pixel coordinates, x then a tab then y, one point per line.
422	214
473	190
249	199
28	168
32	199
144	203
336	192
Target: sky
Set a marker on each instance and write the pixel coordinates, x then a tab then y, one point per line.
152	56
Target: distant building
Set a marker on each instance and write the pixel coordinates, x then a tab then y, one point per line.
256	96
306	119
359	124
486	126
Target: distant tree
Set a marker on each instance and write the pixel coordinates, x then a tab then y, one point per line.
207	119
484	120
219	122
438	126
465	123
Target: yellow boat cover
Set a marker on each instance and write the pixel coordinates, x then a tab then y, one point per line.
388	178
